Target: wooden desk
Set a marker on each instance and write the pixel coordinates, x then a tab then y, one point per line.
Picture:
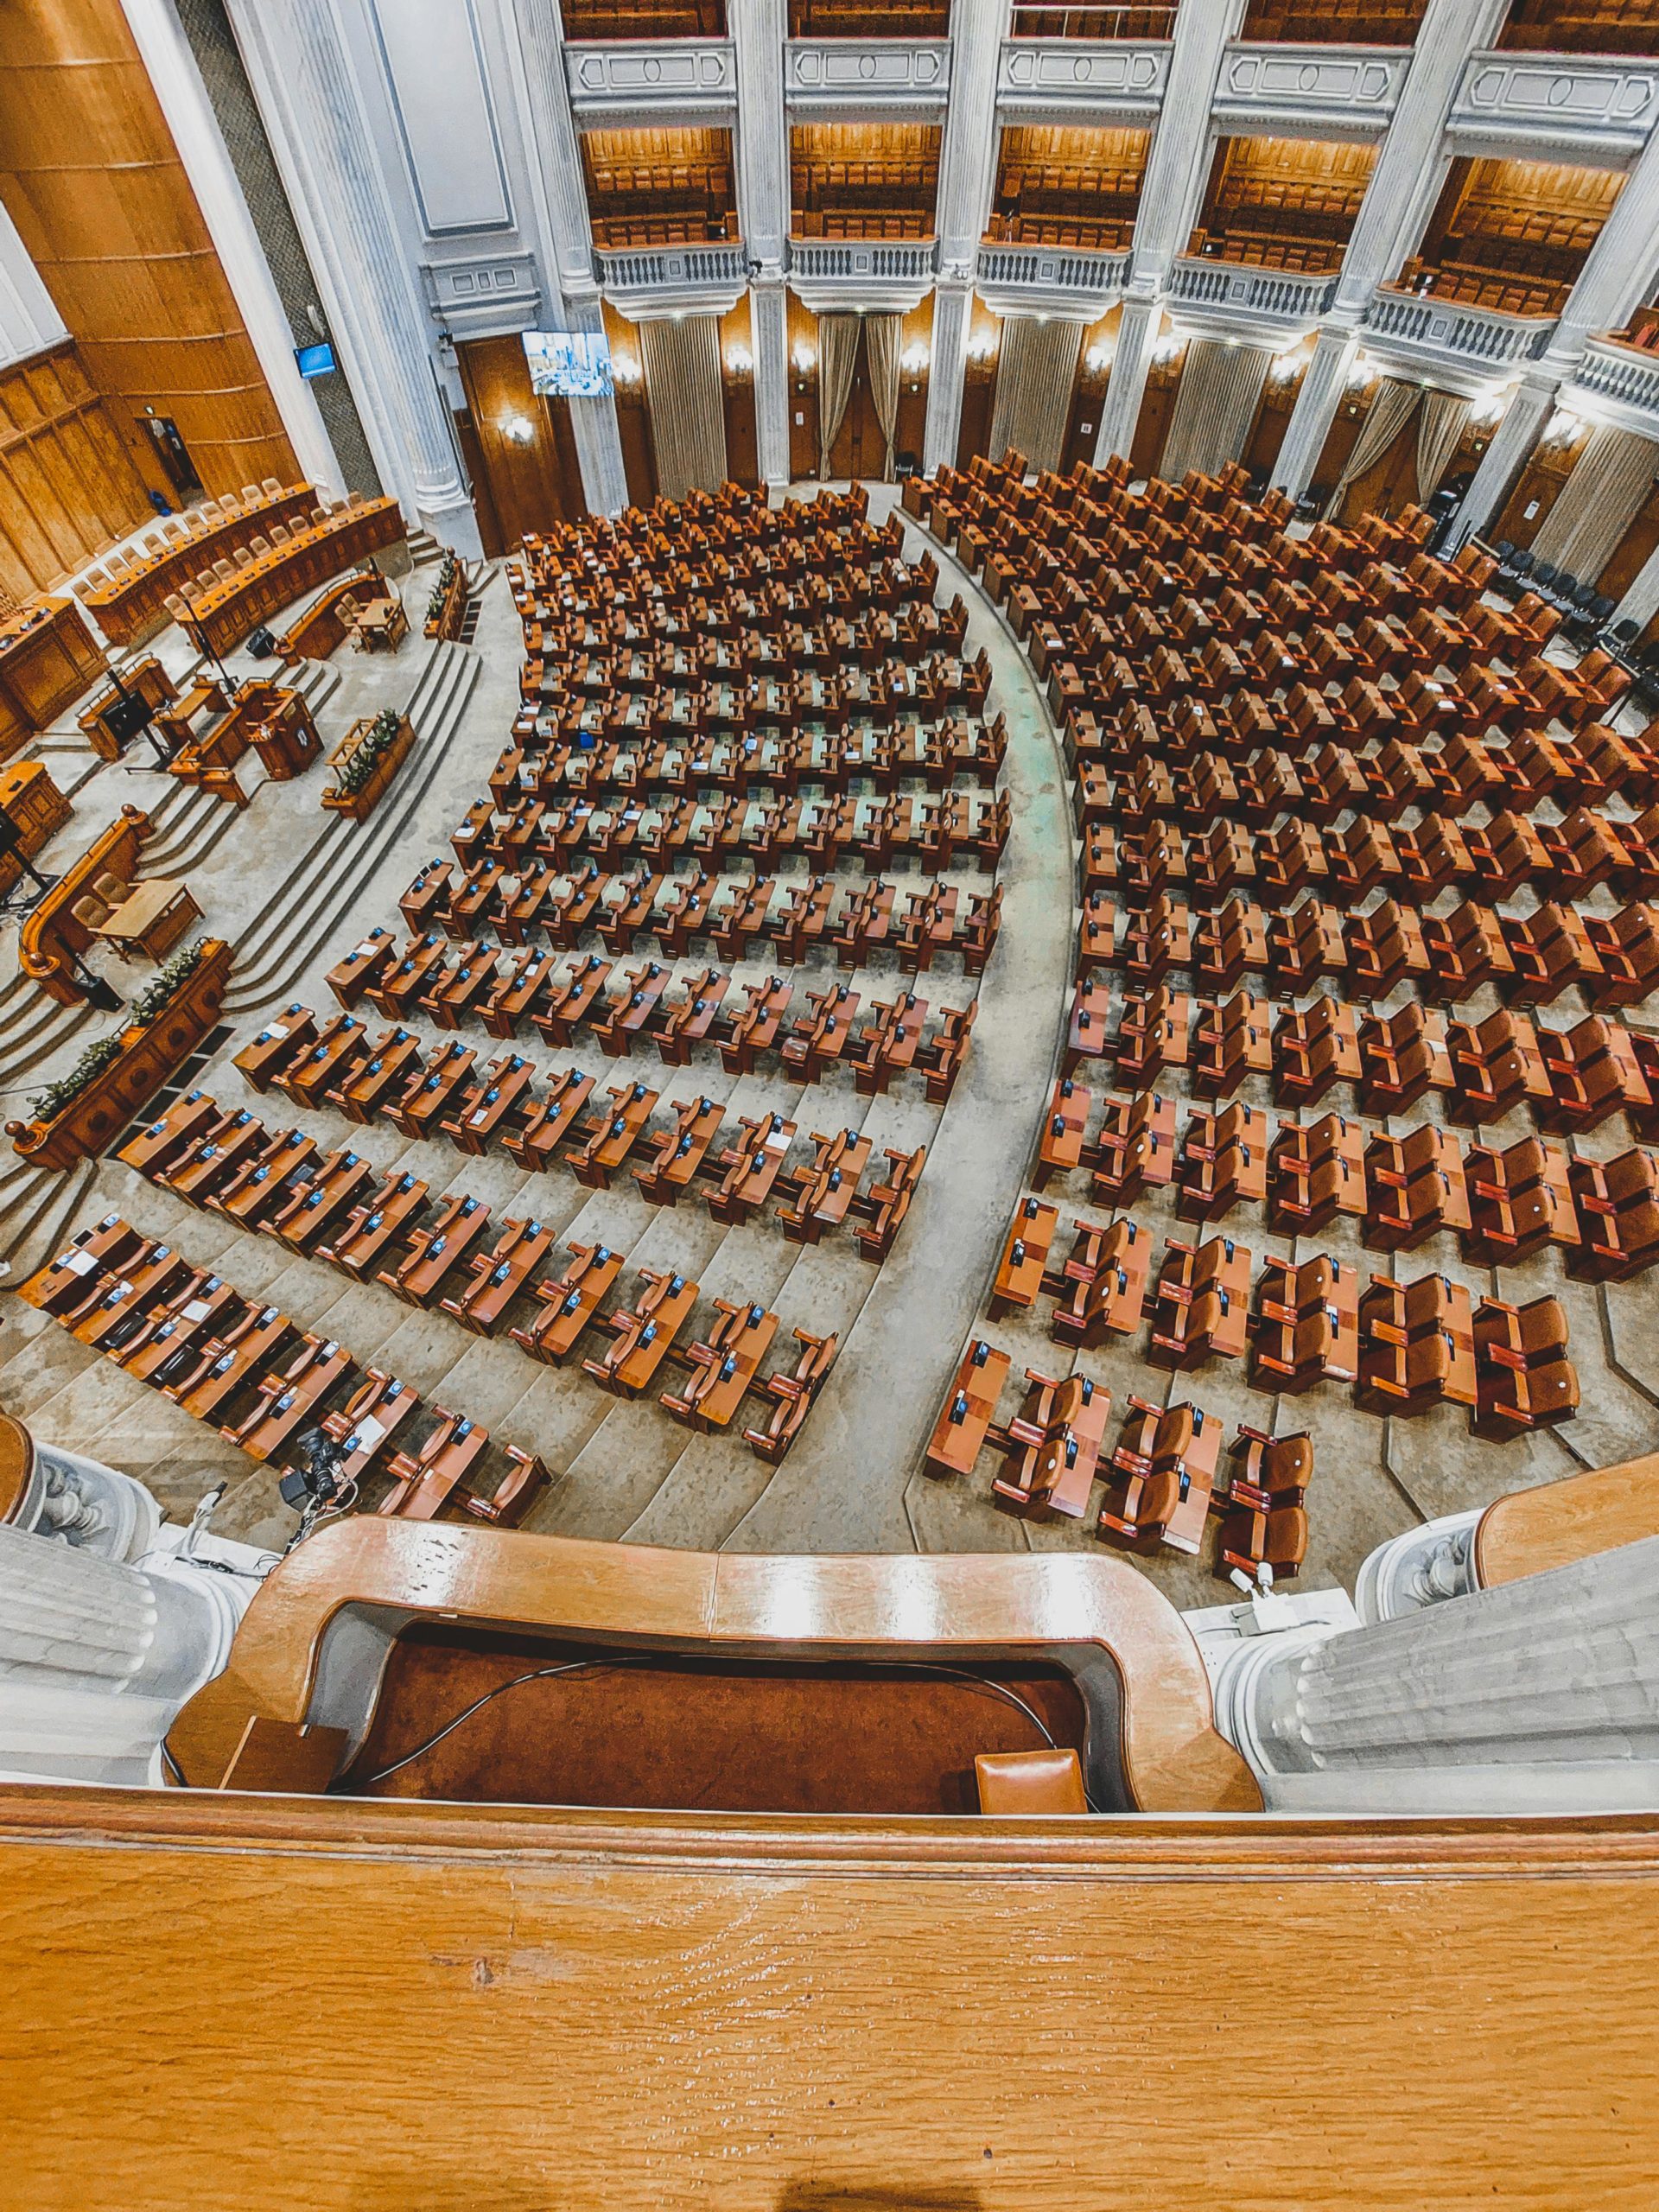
970	1408
645	1334
754	1163
569	1306
223	617
48	658
725	1367
133	603
1025	1256
40	809
152	921
380	626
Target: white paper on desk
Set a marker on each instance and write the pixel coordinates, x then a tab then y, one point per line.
482	1114
78	1263
276	1029
196	1310
777	1142
367	1433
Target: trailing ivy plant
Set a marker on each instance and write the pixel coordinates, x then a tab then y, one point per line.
48	1104
441	589
168	979
352	773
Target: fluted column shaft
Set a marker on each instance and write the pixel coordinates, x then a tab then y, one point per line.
1559	1669
758	28
303	77
531	35
1120	409
1512	442
967	180
1323	385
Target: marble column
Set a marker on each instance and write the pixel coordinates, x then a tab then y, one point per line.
1120	409
97	1654
529	31
1423	1566
1411	161
1172	190
758	29
967	180
1324	382
1641	600
1543	1694
313	111
29	320
1618	270
1529	408
176	80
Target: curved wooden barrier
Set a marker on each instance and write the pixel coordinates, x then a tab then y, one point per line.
1174	1760
51	939
1554	1523
148	1058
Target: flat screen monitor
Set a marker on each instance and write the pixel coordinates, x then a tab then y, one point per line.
316	360
569	363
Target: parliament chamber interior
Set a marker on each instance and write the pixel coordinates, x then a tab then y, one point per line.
830	1047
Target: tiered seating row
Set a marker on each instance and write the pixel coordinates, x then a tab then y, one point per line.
1503	1203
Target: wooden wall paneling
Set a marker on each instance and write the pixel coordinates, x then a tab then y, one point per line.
916	329
1540	484
68	488
94	182
979	385
1088	393
1272	421
803	393
1632	550
1339	442
526	477
1157	404
793	2016
742	437
491	536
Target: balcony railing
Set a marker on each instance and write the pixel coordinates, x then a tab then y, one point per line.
883	261
1274	295
1628	376
695	274
1051	271
1480	336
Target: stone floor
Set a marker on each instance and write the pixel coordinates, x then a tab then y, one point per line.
296	899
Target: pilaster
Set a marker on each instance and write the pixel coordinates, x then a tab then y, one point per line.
1641	600
1618	270
1513	440
758	31
1120	412
1411	162
1324	382
532	36
1179	163
303	76
967	180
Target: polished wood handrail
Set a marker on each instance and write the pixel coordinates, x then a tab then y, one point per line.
51	936
1554	1523
1174	1760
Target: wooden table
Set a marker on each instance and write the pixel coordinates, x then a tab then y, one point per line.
645	1334
380	627
970	1408
150	921
1060	1148
569	1305
754	1163
726	1366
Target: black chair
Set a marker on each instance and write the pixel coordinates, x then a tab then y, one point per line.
1601	608
1523	564
1544	575
1505	552
1622	635
1585	596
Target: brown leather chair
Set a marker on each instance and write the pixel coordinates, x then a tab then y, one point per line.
1047	1781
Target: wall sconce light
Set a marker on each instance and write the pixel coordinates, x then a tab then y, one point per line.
520	430
1360	372
739	361
1488	407
805	360
623	369
1098	359
913	359
981	346
1284	366
1564	427
1168	348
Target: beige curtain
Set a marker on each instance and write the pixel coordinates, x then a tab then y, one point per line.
1392	407
687	406
881	351
1438	428
1220	391
837	354
1034	380
1598	503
